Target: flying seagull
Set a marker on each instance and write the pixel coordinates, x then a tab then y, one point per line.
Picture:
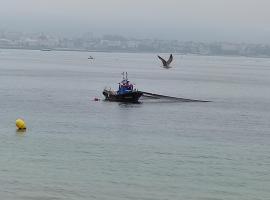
166	64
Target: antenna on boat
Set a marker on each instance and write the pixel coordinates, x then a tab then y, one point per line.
125	75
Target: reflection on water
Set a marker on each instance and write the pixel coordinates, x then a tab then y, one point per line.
21	132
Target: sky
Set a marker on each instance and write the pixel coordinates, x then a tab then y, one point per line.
184	20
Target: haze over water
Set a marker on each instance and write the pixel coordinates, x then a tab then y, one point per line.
76	148
185	20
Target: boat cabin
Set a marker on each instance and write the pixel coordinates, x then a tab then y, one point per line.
125	86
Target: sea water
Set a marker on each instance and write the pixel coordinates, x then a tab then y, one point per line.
77	148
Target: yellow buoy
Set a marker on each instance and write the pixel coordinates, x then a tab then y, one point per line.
20	124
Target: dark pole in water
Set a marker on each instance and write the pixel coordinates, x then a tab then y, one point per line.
158	96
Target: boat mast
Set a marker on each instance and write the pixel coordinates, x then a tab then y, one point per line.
125	76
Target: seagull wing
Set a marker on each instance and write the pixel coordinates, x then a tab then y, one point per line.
170	60
163	61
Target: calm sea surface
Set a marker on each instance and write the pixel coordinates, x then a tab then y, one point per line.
76	148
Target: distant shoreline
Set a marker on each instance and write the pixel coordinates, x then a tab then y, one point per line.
129	51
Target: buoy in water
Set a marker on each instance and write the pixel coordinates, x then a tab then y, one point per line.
20	124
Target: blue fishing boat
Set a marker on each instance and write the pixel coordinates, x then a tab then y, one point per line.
125	93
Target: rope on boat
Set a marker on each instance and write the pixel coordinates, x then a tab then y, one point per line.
159	96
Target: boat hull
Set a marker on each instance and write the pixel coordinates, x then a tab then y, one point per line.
132	97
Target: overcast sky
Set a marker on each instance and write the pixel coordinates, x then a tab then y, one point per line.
198	20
